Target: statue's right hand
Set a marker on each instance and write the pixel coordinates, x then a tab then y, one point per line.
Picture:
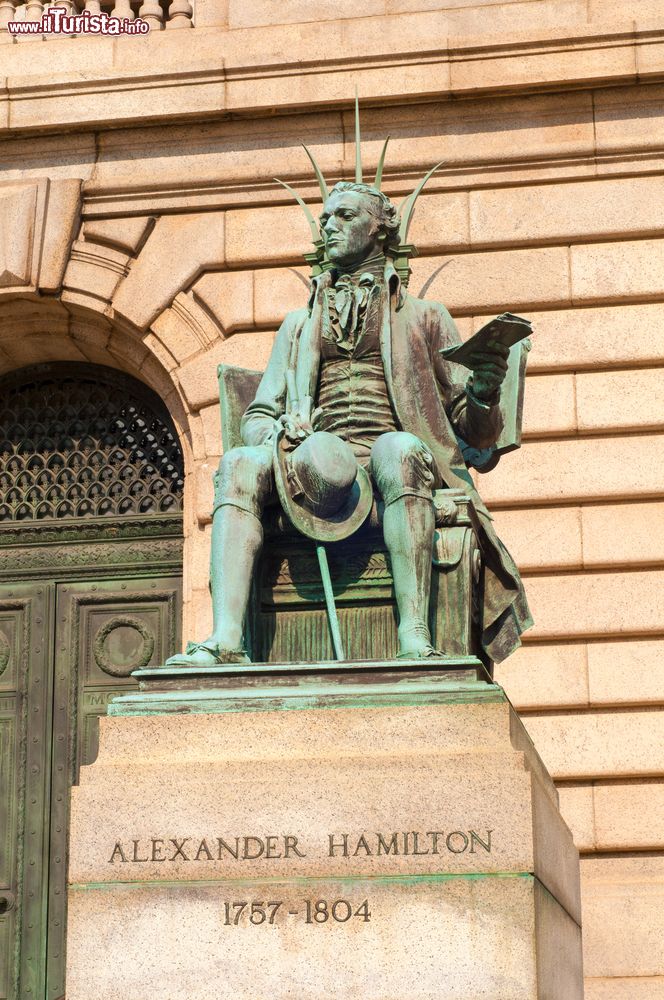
296	427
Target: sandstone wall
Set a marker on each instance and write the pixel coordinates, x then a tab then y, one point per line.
148	234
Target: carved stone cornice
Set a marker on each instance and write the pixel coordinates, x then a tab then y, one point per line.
232	84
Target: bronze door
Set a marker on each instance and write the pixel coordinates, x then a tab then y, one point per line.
68	649
91	486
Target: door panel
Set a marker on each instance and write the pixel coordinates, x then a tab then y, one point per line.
65	651
103	631
25	726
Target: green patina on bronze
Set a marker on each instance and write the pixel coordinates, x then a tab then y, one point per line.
357	395
295	686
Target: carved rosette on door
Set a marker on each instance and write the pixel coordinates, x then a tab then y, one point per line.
114	650
104	633
91	482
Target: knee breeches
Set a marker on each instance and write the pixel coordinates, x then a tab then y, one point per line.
400	465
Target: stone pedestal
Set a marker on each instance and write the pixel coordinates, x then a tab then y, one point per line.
391	839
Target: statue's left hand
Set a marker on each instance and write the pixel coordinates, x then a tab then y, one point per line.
489	369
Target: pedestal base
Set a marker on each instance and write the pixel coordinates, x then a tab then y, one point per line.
383	851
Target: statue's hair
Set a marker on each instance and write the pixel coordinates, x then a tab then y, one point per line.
385	211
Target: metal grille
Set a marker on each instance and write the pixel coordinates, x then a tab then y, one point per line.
81	441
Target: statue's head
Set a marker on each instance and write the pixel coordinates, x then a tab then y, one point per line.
358	222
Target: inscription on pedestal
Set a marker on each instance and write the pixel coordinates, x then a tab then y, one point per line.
312	911
278	846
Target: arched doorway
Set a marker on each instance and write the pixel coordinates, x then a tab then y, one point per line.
91	483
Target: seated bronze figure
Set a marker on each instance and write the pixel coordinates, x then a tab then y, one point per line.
357	409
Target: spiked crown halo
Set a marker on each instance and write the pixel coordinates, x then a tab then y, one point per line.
398	248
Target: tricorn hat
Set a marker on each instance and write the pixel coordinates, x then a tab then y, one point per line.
323	490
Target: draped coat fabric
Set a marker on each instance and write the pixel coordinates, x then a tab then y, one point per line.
429	399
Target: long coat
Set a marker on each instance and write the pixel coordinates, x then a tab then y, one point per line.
429	399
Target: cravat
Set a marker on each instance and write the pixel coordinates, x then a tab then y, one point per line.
350	299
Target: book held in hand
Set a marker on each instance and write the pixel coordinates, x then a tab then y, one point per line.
507	328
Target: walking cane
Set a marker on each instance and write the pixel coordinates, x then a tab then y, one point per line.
321	553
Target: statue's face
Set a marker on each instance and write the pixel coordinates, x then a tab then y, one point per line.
351	232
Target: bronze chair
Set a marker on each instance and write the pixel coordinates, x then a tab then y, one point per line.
288	602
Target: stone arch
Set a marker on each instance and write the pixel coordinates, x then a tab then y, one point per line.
37	329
